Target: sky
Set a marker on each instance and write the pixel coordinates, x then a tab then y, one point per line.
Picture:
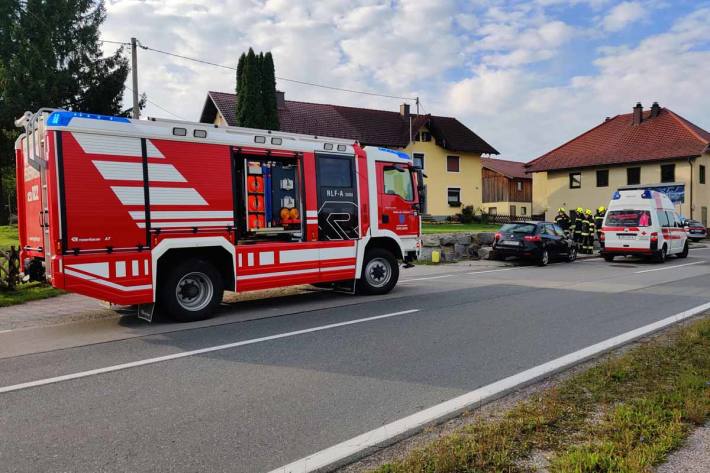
526	76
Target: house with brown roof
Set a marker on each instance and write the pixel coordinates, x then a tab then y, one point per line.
448	152
507	188
654	148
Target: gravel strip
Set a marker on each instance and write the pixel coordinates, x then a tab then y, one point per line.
693	457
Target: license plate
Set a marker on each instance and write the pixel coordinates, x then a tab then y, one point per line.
510	243
627	237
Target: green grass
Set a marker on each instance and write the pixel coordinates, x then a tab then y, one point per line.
27	292
8	236
624	415
458	227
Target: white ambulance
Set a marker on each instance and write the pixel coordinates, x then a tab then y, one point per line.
642	223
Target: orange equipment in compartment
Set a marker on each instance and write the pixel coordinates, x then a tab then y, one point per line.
256	221
256	203
255	184
293	214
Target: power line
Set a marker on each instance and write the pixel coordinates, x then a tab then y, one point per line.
159	106
123	43
285	79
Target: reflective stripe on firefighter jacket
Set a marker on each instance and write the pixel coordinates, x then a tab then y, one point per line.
585	228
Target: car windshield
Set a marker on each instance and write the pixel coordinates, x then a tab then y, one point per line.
527	228
694	223
628	218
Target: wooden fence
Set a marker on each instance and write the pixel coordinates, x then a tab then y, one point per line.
9	268
512	218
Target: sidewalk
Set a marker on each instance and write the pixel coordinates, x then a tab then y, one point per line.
55	310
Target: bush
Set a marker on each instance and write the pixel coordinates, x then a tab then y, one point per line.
467	215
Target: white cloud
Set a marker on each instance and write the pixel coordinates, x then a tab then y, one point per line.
474	60
624	14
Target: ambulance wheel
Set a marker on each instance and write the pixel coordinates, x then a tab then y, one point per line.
684	253
191	291
380	272
661	255
608	258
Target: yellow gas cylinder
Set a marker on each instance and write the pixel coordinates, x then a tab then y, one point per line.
435	256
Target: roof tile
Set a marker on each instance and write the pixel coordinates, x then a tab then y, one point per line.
368	126
619	141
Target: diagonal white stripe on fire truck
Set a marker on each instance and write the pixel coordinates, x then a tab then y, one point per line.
115	145
158	195
122	171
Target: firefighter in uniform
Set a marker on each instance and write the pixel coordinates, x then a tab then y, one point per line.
562	220
584	232
589	241
599	220
578	226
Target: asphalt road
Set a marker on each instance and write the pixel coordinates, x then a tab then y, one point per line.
265	403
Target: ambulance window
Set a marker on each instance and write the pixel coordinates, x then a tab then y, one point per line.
663	219
398	181
335	172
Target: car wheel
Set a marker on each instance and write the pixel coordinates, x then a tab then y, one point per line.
379	272
608	258
661	255
684	253
191	291
544	258
572	255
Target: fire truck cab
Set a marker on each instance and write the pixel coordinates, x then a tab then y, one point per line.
168	214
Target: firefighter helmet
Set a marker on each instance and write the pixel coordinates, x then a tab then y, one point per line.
602	209
588	212
580	210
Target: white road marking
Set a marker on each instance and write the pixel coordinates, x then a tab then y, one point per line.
409	425
427	278
496	270
458	274
668	267
184	354
5	331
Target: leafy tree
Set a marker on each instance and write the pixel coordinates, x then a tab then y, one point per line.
256	91
268	84
50	56
250	106
240	69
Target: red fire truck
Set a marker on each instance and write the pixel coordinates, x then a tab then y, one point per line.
167	214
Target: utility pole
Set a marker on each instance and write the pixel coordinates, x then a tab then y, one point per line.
134	73
417	102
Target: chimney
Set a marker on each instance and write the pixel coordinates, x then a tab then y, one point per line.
280	100
638	114
655	110
404	111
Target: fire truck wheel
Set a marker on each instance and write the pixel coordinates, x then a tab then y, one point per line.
380	272
192	290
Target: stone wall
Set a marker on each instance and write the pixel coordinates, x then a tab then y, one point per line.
457	246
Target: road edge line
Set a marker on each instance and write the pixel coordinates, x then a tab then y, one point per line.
362	445
185	354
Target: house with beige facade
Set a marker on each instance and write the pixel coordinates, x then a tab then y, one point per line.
654	148
507	188
448	152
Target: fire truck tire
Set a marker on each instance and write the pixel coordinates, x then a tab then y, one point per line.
191	291
380	272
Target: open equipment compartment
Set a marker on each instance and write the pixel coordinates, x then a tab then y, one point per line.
270	189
